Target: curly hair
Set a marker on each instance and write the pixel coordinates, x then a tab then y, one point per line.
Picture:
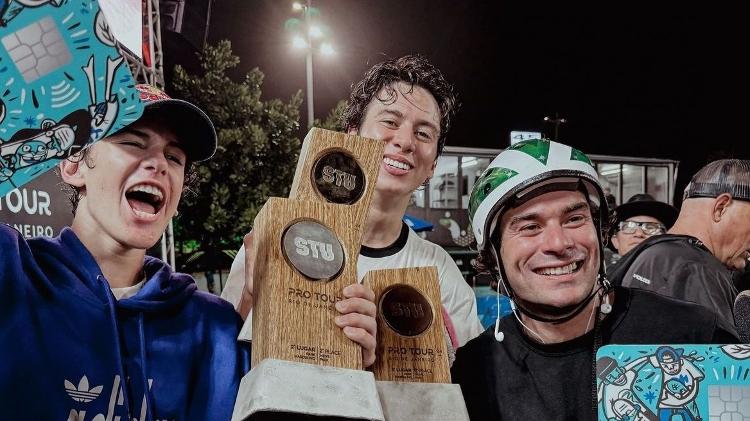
72	192
414	70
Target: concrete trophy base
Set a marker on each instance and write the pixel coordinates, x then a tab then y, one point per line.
286	390
422	401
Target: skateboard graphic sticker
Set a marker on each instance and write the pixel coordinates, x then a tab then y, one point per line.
63	85
666	382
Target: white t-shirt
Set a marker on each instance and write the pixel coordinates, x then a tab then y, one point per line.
408	251
127	292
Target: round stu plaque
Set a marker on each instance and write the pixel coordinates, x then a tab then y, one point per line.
313	249
339	178
405	310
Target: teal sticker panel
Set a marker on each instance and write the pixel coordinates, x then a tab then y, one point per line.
63	85
673	382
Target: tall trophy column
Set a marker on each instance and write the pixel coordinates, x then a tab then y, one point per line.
305	252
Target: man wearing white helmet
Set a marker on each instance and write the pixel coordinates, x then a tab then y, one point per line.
537	215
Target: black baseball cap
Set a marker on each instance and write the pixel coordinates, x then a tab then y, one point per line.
730	176
196	131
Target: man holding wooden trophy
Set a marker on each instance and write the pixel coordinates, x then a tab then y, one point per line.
303	258
305	250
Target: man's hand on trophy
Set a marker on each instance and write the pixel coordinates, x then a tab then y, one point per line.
357	319
246	300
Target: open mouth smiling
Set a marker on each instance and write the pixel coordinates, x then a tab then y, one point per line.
397	164
145	199
560	270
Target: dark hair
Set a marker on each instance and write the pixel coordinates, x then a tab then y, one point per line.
74	193
639	197
485	263
414	70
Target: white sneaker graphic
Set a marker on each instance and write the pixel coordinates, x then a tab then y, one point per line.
82	393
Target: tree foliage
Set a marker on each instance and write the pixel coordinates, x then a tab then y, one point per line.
333	120
256	157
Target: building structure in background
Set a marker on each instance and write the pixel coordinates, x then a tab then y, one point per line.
444	202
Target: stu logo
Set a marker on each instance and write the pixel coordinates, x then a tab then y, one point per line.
318	249
340	178
407	310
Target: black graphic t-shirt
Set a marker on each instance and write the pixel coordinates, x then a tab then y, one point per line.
519	379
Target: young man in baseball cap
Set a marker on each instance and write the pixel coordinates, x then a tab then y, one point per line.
92	328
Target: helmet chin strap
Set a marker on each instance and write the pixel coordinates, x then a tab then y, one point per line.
563	313
560	314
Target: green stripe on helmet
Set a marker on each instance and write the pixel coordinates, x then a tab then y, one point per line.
535	148
488	182
577	155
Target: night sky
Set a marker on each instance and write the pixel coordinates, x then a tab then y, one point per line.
632	80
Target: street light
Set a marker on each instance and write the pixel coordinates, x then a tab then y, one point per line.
299	41
556	121
315	31
327	49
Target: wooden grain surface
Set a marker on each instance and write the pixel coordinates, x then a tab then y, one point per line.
367	152
292	315
422	358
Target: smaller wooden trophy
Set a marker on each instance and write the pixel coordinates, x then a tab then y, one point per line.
411	367
411	340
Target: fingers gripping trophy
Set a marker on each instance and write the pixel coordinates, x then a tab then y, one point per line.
302	255
305	252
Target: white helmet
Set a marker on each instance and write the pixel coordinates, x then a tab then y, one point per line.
531	166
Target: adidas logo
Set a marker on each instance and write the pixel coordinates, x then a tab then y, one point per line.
82	393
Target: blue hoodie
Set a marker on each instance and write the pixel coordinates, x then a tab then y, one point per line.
70	351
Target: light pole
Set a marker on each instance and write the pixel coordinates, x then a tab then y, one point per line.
556	121
312	32
309	69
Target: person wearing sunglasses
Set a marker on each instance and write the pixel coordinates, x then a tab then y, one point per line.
638	219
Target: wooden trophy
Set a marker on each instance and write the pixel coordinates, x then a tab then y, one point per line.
411	366
411	340
338	168
306	250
